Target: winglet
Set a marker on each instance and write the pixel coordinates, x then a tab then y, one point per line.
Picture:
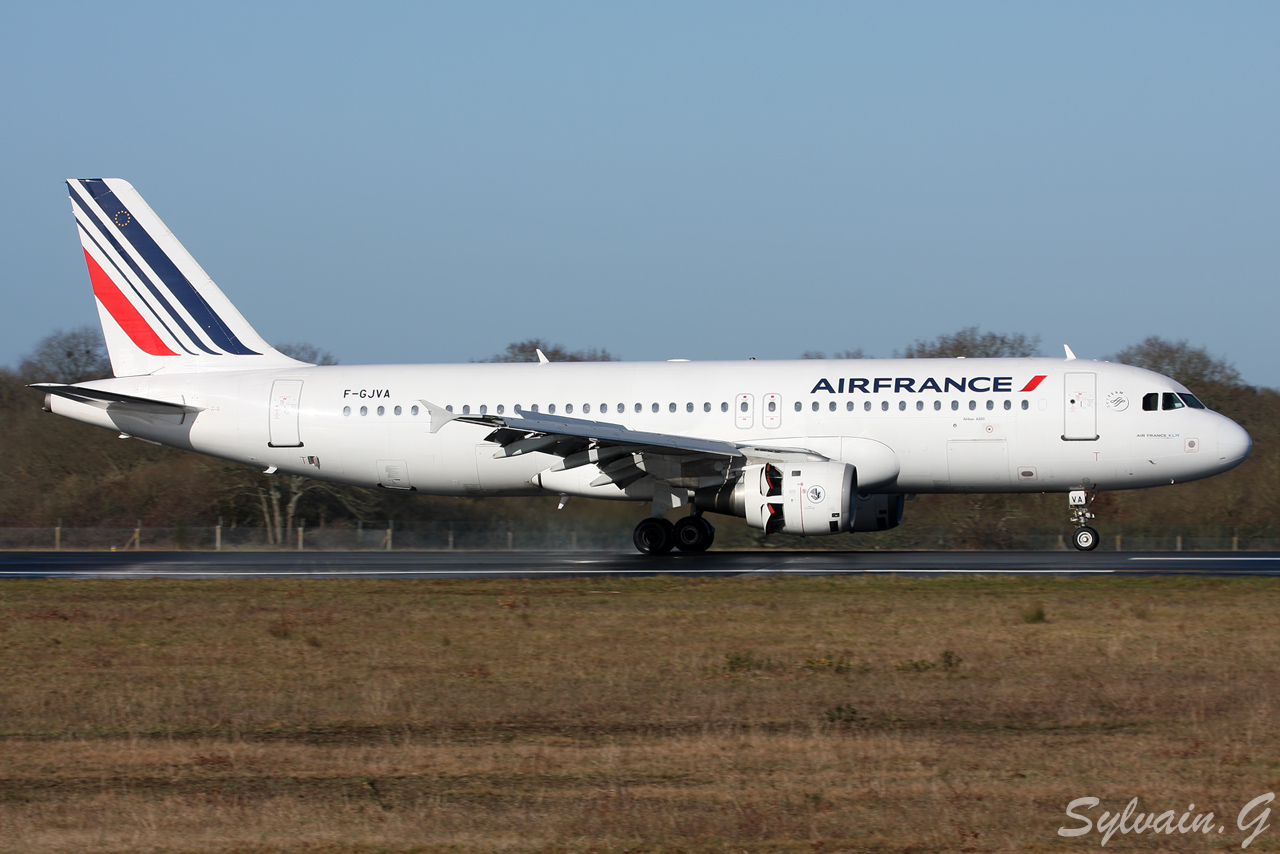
1071	357
542	357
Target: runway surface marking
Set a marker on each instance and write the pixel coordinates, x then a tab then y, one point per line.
1204	558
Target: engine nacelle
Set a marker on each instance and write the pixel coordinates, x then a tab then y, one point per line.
879	512
805	498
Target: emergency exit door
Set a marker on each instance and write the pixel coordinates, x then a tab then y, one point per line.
286	397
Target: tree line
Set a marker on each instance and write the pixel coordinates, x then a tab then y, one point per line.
58	469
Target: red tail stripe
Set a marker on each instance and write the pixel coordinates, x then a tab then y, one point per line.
1035	382
133	323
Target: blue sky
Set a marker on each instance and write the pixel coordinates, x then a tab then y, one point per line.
429	182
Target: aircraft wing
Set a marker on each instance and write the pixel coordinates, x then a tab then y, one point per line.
623	455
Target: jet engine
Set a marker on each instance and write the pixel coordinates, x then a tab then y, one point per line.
879	512
804	498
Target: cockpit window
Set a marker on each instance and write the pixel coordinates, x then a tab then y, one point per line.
1191	400
1171	401
1151	402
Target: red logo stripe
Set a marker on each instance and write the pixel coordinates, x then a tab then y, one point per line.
1035	382
133	323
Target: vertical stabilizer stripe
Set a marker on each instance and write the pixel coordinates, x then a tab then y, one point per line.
121	278
177	283
128	317
102	228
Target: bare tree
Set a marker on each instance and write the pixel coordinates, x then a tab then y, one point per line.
304	352
68	357
525	351
855	353
972	343
1191	366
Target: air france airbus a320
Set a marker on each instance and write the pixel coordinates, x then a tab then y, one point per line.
804	447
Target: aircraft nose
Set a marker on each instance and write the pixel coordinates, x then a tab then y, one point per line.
1234	444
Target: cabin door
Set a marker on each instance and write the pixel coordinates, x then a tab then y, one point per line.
1080	400
286	396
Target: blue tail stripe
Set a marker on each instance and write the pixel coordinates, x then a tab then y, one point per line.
143	277
168	272
122	277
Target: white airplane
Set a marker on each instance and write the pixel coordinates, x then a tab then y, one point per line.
802	447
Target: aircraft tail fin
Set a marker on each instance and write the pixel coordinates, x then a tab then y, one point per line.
159	309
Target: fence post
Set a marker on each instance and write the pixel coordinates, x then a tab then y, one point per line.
302	528
137	537
391	527
1179	546
217	536
510	537
450	536
57	537
1118	541
1235	540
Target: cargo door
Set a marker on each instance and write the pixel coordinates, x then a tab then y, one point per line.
286	397
1080	408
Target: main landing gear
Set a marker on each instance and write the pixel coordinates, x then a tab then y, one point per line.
657	536
1084	537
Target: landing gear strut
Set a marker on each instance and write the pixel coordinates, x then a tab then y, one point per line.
1084	537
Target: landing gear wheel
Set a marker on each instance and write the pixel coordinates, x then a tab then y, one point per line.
654	536
694	534
1085	539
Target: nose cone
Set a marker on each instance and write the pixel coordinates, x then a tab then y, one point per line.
1234	444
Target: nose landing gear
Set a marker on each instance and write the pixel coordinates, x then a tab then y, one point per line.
1084	538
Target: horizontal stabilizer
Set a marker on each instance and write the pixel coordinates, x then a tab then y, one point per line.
102	399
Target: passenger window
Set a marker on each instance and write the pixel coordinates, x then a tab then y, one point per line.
1171	401
991	404
832	406
414	410
937	406
815	406
622	407
688	407
654	407
638	407
973	404
799	406
502	407
955	405
773	406
1192	401
398	410
849	406
1151	402
466	409
902	406
586	409
724	407
706	407
534	407
919	406
743	407
1026	404
449	408
346	410
552	409
364	410
866	406
671	407
884	406
1008	404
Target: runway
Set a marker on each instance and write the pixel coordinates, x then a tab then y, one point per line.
511	565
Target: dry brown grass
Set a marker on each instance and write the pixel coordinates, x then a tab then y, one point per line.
642	714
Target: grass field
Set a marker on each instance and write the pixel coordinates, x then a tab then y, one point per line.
610	715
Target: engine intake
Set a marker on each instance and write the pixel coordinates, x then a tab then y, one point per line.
805	498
